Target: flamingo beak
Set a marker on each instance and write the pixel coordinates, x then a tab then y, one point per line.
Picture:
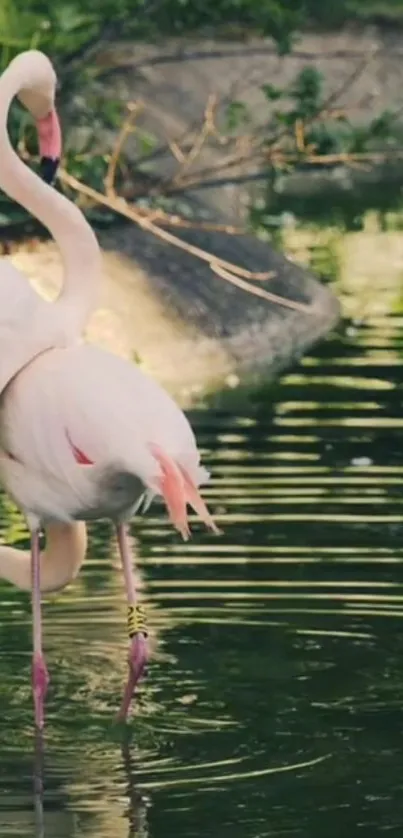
48	168
50	145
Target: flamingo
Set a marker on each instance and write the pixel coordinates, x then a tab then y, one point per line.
84	434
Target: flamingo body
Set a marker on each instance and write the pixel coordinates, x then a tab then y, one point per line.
83	434
26	327
86	451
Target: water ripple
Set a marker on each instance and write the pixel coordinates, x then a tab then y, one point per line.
278	646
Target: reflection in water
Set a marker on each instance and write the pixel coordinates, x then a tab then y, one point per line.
274	701
136	813
38	785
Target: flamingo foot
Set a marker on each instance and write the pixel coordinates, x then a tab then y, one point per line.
138	657
40	682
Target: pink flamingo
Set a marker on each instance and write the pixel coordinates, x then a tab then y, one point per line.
84	434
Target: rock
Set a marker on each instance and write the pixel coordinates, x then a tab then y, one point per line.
192	330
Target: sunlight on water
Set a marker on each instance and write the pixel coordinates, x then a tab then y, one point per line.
274	702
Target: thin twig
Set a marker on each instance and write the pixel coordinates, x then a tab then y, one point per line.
176	151
177	221
259	149
349	81
346	157
109	181
120	206
169	220
208	128
259	292
300	134
225	164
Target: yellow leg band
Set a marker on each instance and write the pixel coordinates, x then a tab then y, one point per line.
136	620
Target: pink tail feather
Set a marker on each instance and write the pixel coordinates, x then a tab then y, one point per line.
178	490
196	501
172	488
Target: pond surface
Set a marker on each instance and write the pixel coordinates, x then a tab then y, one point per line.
274	703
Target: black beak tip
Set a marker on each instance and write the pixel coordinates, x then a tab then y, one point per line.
48	168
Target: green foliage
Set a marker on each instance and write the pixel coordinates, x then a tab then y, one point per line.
334	13
306	93
299	116
305	132
236	116
272	92
324	256
65	27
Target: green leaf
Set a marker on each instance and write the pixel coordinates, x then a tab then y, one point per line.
271	92
286	118
236	115
306	91
112	112
146	142
382	126
69	17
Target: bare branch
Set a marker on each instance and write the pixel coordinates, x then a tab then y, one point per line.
259	292
226	270
109	182
208	128
120	206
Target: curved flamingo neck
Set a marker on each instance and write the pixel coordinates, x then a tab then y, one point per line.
78	245
66	546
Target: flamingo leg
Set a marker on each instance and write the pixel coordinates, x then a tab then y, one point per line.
138	651
40	677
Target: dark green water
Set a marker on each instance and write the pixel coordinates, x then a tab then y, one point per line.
274	703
